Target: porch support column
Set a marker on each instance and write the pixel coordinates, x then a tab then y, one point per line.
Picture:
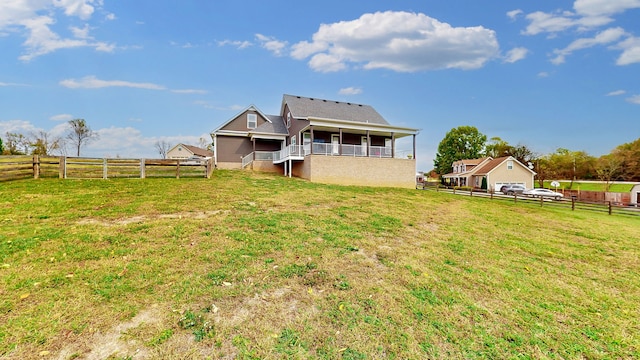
311	145
414	146
393	145
290	166
215	151
254	148
340	143
368	144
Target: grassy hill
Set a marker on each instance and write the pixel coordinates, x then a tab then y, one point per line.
254	266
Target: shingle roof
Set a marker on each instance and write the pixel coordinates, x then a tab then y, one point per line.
304	107
198	151
275	126
494	163
470	161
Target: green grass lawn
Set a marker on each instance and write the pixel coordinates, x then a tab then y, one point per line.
255	266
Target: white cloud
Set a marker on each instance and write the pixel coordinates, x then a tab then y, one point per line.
543	22
11	84
602	38
350	91
604	7
91	82
189	91
272	44
237	44
635	99
81	33
617	93
398	41
16	126
516	54
61	117
543	74
631	51
513	14
34	18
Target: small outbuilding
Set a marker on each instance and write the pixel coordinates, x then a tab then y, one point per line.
635	195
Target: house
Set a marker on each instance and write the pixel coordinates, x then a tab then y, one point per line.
463	171
635	195
495	172
182	151
319	140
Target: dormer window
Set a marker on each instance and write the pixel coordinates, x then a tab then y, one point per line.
252	121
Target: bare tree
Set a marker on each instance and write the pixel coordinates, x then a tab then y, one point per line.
607	169
80	134
163	147
44	144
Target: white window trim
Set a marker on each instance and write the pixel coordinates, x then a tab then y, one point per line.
252	118
294	140
288	119
510	165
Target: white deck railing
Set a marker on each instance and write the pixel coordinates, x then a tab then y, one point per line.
246	160
300	151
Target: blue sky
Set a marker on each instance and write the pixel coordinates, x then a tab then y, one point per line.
546	74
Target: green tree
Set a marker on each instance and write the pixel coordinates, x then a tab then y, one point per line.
496	147
16	144
80	134
1	147
463	142
628	155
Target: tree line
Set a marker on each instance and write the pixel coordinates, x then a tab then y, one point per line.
43	143
466	142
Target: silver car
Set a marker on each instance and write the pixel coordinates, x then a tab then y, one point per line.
543	193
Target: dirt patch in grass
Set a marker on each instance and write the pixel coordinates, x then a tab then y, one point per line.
112	344
195	215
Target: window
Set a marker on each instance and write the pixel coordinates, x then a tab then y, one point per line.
288	120
294	141
510	165
252	121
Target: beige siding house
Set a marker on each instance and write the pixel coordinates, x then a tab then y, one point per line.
496	172
320	140
182	151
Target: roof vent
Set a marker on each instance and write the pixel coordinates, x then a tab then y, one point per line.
348	103
360	105
311	99
298	97
324	100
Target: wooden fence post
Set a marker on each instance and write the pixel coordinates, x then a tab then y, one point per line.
471	192
610	208
142	174
36	166
209	168
104	168
541	200
178	169
62	168
573	203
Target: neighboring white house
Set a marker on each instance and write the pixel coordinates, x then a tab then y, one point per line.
635	195
182	151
